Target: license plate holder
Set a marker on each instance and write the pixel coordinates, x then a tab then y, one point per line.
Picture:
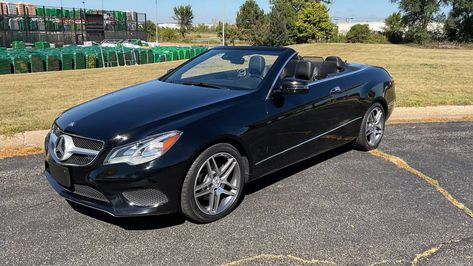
61	174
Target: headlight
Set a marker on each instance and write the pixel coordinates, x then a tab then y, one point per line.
143	151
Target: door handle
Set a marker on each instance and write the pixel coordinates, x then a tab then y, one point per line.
336	90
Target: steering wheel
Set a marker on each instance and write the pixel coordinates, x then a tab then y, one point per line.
242	73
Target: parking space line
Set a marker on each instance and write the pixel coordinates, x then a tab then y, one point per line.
433	182
269	257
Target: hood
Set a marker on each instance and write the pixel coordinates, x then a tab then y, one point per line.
146	105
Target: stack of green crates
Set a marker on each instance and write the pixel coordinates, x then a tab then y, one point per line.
44	58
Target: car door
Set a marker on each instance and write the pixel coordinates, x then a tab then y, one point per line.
298	124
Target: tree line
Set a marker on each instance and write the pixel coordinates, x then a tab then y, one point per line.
302	21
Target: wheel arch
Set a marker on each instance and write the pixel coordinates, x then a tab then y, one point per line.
235	142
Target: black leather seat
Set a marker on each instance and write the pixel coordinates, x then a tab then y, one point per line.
257	66
327	68
304	70
340	63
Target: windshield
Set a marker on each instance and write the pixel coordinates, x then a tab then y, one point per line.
226	69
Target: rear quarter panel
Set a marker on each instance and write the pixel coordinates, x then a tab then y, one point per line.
367	85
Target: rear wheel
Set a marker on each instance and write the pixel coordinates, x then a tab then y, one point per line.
213	184
372	128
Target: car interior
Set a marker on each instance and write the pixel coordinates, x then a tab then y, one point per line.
313	68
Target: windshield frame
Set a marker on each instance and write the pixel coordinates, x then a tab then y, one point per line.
279	52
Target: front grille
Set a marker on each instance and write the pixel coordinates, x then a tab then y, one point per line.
79	142
89	192
78	159
145	197
87	143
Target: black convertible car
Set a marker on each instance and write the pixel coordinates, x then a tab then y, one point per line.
191	140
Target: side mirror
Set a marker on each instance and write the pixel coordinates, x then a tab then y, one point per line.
294	86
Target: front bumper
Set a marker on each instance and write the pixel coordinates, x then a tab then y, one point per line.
122	190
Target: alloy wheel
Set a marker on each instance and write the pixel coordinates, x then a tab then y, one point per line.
375	126
217	184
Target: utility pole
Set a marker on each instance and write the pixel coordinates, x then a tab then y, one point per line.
157	24
223	22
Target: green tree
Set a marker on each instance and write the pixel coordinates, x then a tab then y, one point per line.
168	34
183	15
289	9
417	15
394	29
359	33
250	21
151	30
278	34
313	23
232	34
459	24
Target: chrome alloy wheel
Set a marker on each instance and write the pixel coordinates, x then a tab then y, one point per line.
375	126
217	184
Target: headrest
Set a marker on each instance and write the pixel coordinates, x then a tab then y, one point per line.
340	63
257	65
304	70
290	69
327	67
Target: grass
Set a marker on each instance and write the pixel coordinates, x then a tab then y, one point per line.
424	77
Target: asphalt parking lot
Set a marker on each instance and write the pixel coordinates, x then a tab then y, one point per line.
345	207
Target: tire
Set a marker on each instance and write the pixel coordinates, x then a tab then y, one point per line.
222	189
371	130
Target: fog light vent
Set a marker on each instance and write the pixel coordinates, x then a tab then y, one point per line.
145	197
89	192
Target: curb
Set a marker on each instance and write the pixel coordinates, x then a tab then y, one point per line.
401	115
28	139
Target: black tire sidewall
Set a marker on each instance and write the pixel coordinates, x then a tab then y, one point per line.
361	141
188	205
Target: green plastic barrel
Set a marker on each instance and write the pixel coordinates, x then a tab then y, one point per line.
36	62
51	61
79	60
90	60
42	45
5	65
20	63
67	61
18	45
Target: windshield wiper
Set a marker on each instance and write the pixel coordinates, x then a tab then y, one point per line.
202	84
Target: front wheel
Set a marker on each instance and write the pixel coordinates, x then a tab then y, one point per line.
372	128
213	184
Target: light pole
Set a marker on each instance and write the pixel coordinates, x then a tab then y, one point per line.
157	24
223	22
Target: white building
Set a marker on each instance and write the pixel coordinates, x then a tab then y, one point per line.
344	27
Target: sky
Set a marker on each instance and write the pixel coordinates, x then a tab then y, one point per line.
207	10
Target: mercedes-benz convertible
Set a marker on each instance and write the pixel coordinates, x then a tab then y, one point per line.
191	140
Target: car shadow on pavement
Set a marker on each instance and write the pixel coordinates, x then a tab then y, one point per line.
133	223
284	173
169	220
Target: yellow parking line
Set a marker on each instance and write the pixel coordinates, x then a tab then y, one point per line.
269	257
434	183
